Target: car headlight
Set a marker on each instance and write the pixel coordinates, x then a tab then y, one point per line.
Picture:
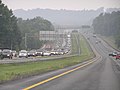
8	55
24	54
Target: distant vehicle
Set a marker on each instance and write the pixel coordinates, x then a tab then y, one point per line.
14	53
46	53
39	53
88	38
32	53
75	31
117	56
113	54
68	35
53	52
66	51
23	53
94	36
99	41
60	52
6	53
96	42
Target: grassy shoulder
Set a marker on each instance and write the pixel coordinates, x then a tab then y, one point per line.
111	41
15	71
75	46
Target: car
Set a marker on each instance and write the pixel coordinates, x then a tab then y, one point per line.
14	53
32	53
113	54
60	52
6	53
88	38
117	56
53	52
96	42
46	53
65	51
0	53
39	53
94	36
99	41
23	53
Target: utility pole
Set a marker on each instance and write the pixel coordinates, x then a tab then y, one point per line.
26	40
11	46
79	42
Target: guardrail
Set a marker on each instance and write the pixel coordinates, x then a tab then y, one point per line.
34	59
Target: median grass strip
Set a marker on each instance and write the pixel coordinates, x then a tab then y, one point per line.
16	71
74	43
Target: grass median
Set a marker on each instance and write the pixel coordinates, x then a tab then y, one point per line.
17	71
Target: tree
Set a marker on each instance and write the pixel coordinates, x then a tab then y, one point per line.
30	28
108	24
10	36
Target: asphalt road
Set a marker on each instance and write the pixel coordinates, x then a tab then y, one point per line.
104	74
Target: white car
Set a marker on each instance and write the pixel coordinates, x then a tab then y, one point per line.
46	53
23	53
53	53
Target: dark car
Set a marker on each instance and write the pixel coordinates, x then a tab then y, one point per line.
39	53
32	53
6	53
113	54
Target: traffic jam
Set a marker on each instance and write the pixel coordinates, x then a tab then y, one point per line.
61	47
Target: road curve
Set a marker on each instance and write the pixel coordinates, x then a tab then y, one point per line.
103	74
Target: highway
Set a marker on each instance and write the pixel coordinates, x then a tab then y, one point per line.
34	59
102	74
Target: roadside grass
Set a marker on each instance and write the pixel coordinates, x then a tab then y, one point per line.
74	44
17	71
111	41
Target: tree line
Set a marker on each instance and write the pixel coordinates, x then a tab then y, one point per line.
13	30
30	31
108	24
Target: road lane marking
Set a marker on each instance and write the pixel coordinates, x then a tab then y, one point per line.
57	76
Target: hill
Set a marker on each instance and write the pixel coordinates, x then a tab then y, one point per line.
61	17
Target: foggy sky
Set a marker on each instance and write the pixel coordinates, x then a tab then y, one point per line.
61	4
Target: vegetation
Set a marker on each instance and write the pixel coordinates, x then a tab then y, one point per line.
34	25
13	31
30	28
10	36
13	71
75	45
108	24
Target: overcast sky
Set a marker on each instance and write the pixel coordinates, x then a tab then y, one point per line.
61	4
